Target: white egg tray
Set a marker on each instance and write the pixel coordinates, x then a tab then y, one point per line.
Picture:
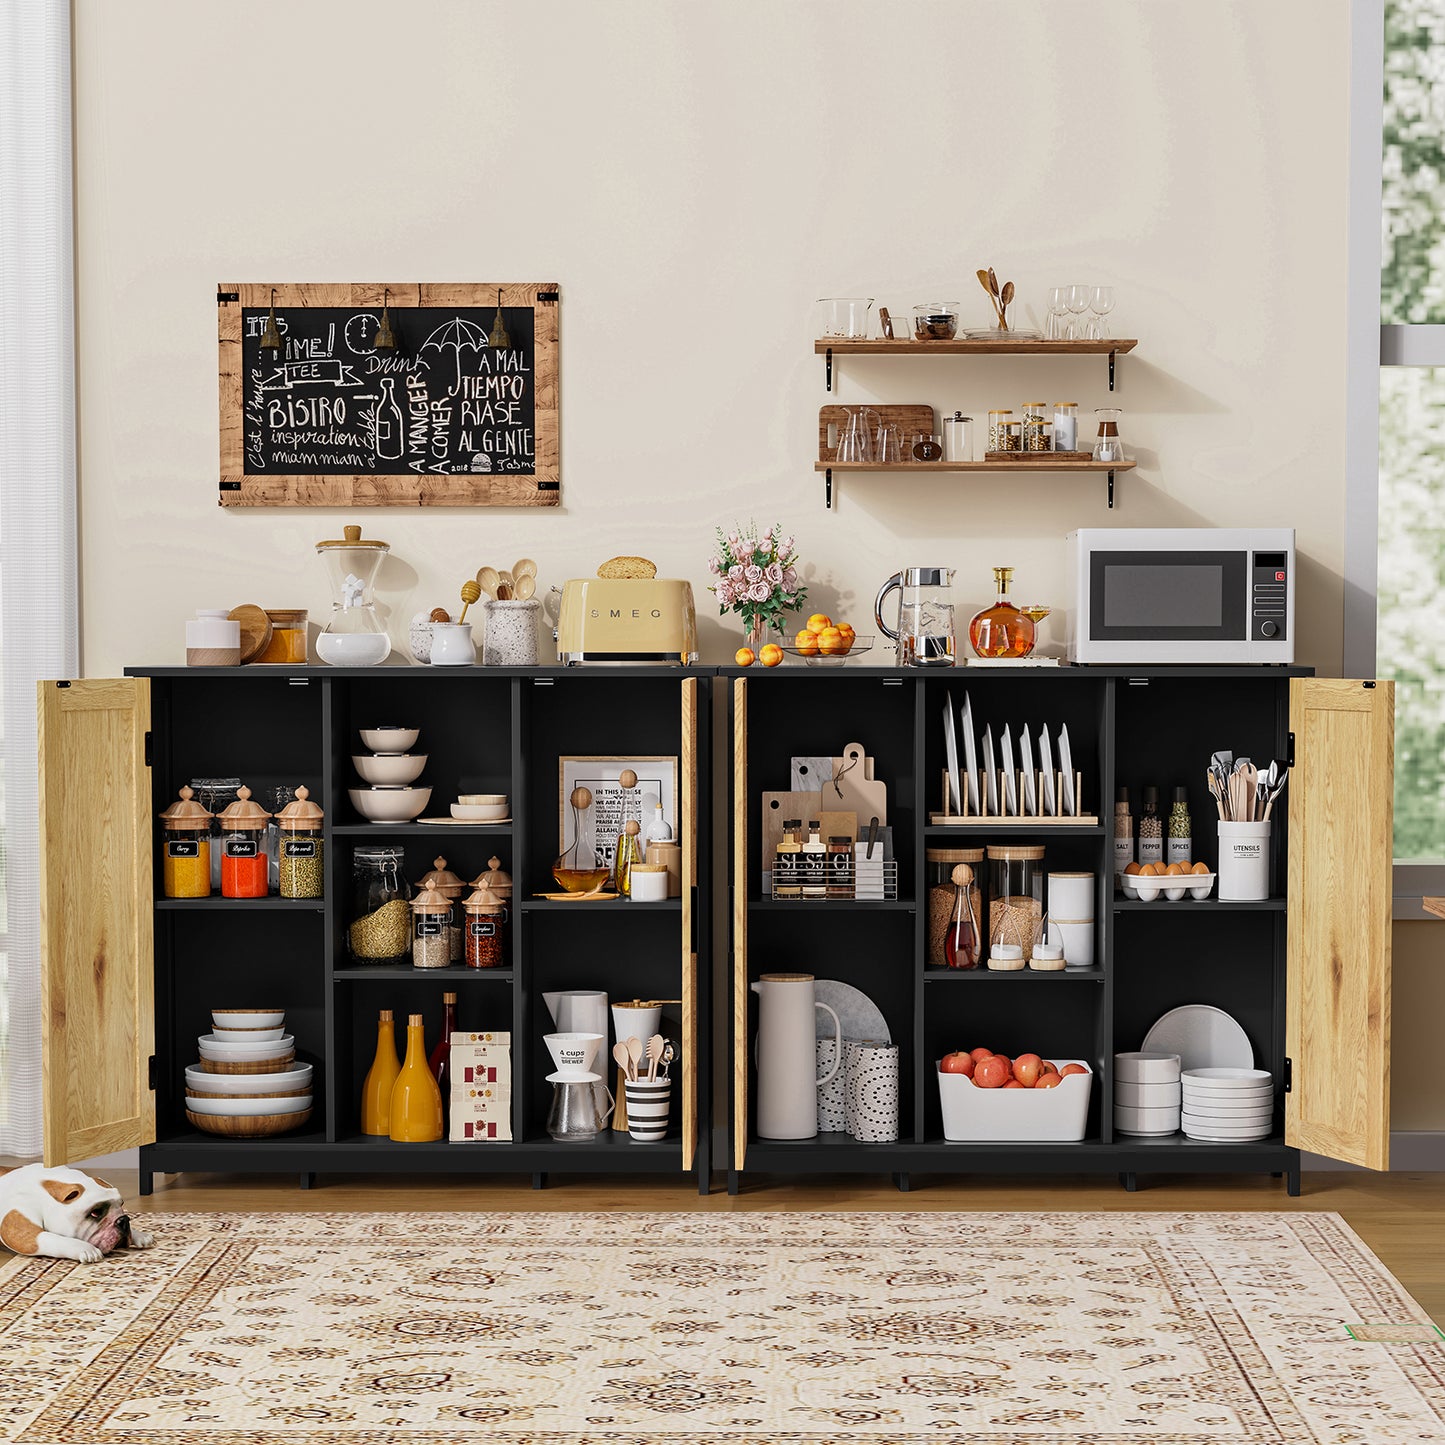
1173	889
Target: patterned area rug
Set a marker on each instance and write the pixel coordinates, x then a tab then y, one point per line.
680	1329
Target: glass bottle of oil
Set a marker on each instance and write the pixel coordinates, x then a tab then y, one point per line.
629	851
814	859
786	883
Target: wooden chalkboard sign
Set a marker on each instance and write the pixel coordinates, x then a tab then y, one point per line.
460	413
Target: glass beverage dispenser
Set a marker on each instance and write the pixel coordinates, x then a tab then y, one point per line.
925	634
354	637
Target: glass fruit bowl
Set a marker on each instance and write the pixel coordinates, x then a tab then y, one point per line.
815	656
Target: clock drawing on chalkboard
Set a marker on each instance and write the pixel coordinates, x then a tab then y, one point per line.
461	411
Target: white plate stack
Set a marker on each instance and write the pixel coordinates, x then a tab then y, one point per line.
1228	1105
1146	1093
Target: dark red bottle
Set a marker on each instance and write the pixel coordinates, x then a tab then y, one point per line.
440	1062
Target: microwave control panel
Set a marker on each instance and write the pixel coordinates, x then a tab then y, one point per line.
1269	597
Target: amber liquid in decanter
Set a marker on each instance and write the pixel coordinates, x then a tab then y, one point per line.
1002	630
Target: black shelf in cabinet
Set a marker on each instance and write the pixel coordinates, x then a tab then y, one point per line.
243	905
451	975
1219	905
959	975
421	830
833	905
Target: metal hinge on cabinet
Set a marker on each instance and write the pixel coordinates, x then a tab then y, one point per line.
152	1073
1288	1075
148	746
1289	758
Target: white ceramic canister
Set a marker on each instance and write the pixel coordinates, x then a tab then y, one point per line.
1071	895
452	645
578	1010
873	1094
510	638
1244	861
213	640
635	1023
833	1092
787	1055
649	882
1077	938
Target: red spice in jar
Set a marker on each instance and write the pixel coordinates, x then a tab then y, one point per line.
484	942
243	874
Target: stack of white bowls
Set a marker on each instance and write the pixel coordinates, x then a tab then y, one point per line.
1146	1094
1228	1105
248	1083
389	773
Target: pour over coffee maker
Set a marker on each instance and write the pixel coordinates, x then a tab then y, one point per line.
581	1103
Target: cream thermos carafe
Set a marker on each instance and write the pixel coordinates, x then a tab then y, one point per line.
787	1055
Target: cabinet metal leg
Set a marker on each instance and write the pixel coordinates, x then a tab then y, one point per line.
1292	1183
734	1181
1130	1181
539	1180
147	1182
901	1181
1276	1173
308	1180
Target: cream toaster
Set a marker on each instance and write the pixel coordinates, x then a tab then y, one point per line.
611	619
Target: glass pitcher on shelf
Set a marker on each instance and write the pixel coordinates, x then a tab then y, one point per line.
925	632
354	637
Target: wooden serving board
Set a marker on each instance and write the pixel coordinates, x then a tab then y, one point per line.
853	787
1035	456
907	417
778	807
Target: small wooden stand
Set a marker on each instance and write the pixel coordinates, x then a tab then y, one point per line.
1012	820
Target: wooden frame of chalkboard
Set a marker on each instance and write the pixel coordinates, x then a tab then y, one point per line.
445	419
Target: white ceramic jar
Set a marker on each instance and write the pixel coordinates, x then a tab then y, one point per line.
213	640
452	645
649	882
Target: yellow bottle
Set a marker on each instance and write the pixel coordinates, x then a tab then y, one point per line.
416	1102
376	1091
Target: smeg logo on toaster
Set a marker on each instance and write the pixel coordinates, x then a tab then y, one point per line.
619	612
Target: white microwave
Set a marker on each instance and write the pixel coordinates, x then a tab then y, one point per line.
1181	594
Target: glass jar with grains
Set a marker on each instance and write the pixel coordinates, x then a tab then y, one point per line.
301	850
380	926
430	929
451	887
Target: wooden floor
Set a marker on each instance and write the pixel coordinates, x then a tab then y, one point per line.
1400	1216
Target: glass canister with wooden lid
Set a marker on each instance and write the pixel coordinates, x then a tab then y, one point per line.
1016	895
939	864
431	917
496	878
451	886
186	850
244	866
486	914
301	850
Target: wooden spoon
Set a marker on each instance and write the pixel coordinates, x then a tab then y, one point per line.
525	587
655	1046
526	567
634	1057
487	580
983	281
624	1059
1005	301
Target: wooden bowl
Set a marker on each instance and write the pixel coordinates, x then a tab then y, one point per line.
292	1094
250	1126
254	1066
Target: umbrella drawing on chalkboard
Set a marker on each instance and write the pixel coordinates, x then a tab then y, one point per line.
457	336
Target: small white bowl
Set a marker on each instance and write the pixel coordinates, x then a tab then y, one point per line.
247	1036
390	739
1146	1121
481	800
1147	1096
389	805
389	770
218	1049
298	1076
1228	1080
1139	1068
244	1108
479	812
248	1018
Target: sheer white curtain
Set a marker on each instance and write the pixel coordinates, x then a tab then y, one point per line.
38	581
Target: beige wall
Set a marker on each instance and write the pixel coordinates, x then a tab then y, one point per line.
694	176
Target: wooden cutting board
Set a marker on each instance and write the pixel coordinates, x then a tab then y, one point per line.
778	807
854	789
910	419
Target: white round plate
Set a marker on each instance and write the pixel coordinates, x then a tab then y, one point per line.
1226	1098
860	1016
1144	1133
1249	1124
298	1076
1219	1134
1203	1036
244	1108
1228	1079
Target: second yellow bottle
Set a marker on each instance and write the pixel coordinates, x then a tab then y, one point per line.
416	1101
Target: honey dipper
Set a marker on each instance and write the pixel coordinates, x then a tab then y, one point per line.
471	592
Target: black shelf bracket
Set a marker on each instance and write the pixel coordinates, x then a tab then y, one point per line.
1111	370
828	370
1111	488
828	487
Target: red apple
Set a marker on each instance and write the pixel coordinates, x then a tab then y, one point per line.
959	1063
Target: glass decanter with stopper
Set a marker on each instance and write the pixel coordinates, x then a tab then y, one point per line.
354	637
576	868
961	942
1002	630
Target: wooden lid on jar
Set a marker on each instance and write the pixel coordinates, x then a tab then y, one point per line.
430	900
351	537
243	813
186	813
1016	852
495	878
485	901
300	812
442	880
953	855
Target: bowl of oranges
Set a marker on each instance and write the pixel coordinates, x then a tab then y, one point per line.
823	640
1146	881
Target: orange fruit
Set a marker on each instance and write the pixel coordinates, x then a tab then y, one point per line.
744	657
1049	1081
831	643
818	621
771	655
807	642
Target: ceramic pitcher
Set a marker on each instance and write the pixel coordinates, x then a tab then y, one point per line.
786	1055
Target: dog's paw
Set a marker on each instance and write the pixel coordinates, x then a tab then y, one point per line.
86	1253
140	1238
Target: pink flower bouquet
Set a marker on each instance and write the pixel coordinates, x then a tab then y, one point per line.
757	577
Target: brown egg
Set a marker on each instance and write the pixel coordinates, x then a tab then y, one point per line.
1200	867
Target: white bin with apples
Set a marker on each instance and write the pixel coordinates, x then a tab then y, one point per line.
998	1116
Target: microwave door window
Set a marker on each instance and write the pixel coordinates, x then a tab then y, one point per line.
1168	597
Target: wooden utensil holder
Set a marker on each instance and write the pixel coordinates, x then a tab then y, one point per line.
1007	820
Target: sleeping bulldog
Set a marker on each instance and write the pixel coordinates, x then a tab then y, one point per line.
64	1214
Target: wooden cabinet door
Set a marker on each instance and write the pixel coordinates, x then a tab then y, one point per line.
740	922
96	955
1341	820
687	824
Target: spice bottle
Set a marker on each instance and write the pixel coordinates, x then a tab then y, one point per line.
1123	832
813	863
939	865
301	858
1151	829
243	859
961	944
659	830
840	867
486	915
1180	848
431	916
451	887
495	878
787	877
186	851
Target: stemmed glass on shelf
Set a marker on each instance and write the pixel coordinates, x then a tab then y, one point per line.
1054	329
1076	300
1101	303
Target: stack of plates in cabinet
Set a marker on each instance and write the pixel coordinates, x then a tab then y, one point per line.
1146	1093
248	1084
1228	1105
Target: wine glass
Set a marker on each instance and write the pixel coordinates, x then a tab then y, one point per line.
1101	302
1076	299
1055	327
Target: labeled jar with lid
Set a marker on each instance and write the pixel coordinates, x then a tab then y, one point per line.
301	850
1016	896
486	930
431	920
939	864
1037	427
451	886
186	850
379	926
243	855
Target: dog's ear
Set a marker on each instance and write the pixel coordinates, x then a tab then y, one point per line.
104	1183
62	1193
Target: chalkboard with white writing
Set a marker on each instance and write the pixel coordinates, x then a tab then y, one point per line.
460	410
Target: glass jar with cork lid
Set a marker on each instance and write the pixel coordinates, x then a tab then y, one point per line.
431	916
186	850
939	864
244	868
486	914
451	886
1016	902
301	850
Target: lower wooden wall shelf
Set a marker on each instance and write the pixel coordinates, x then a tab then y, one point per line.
1043	464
